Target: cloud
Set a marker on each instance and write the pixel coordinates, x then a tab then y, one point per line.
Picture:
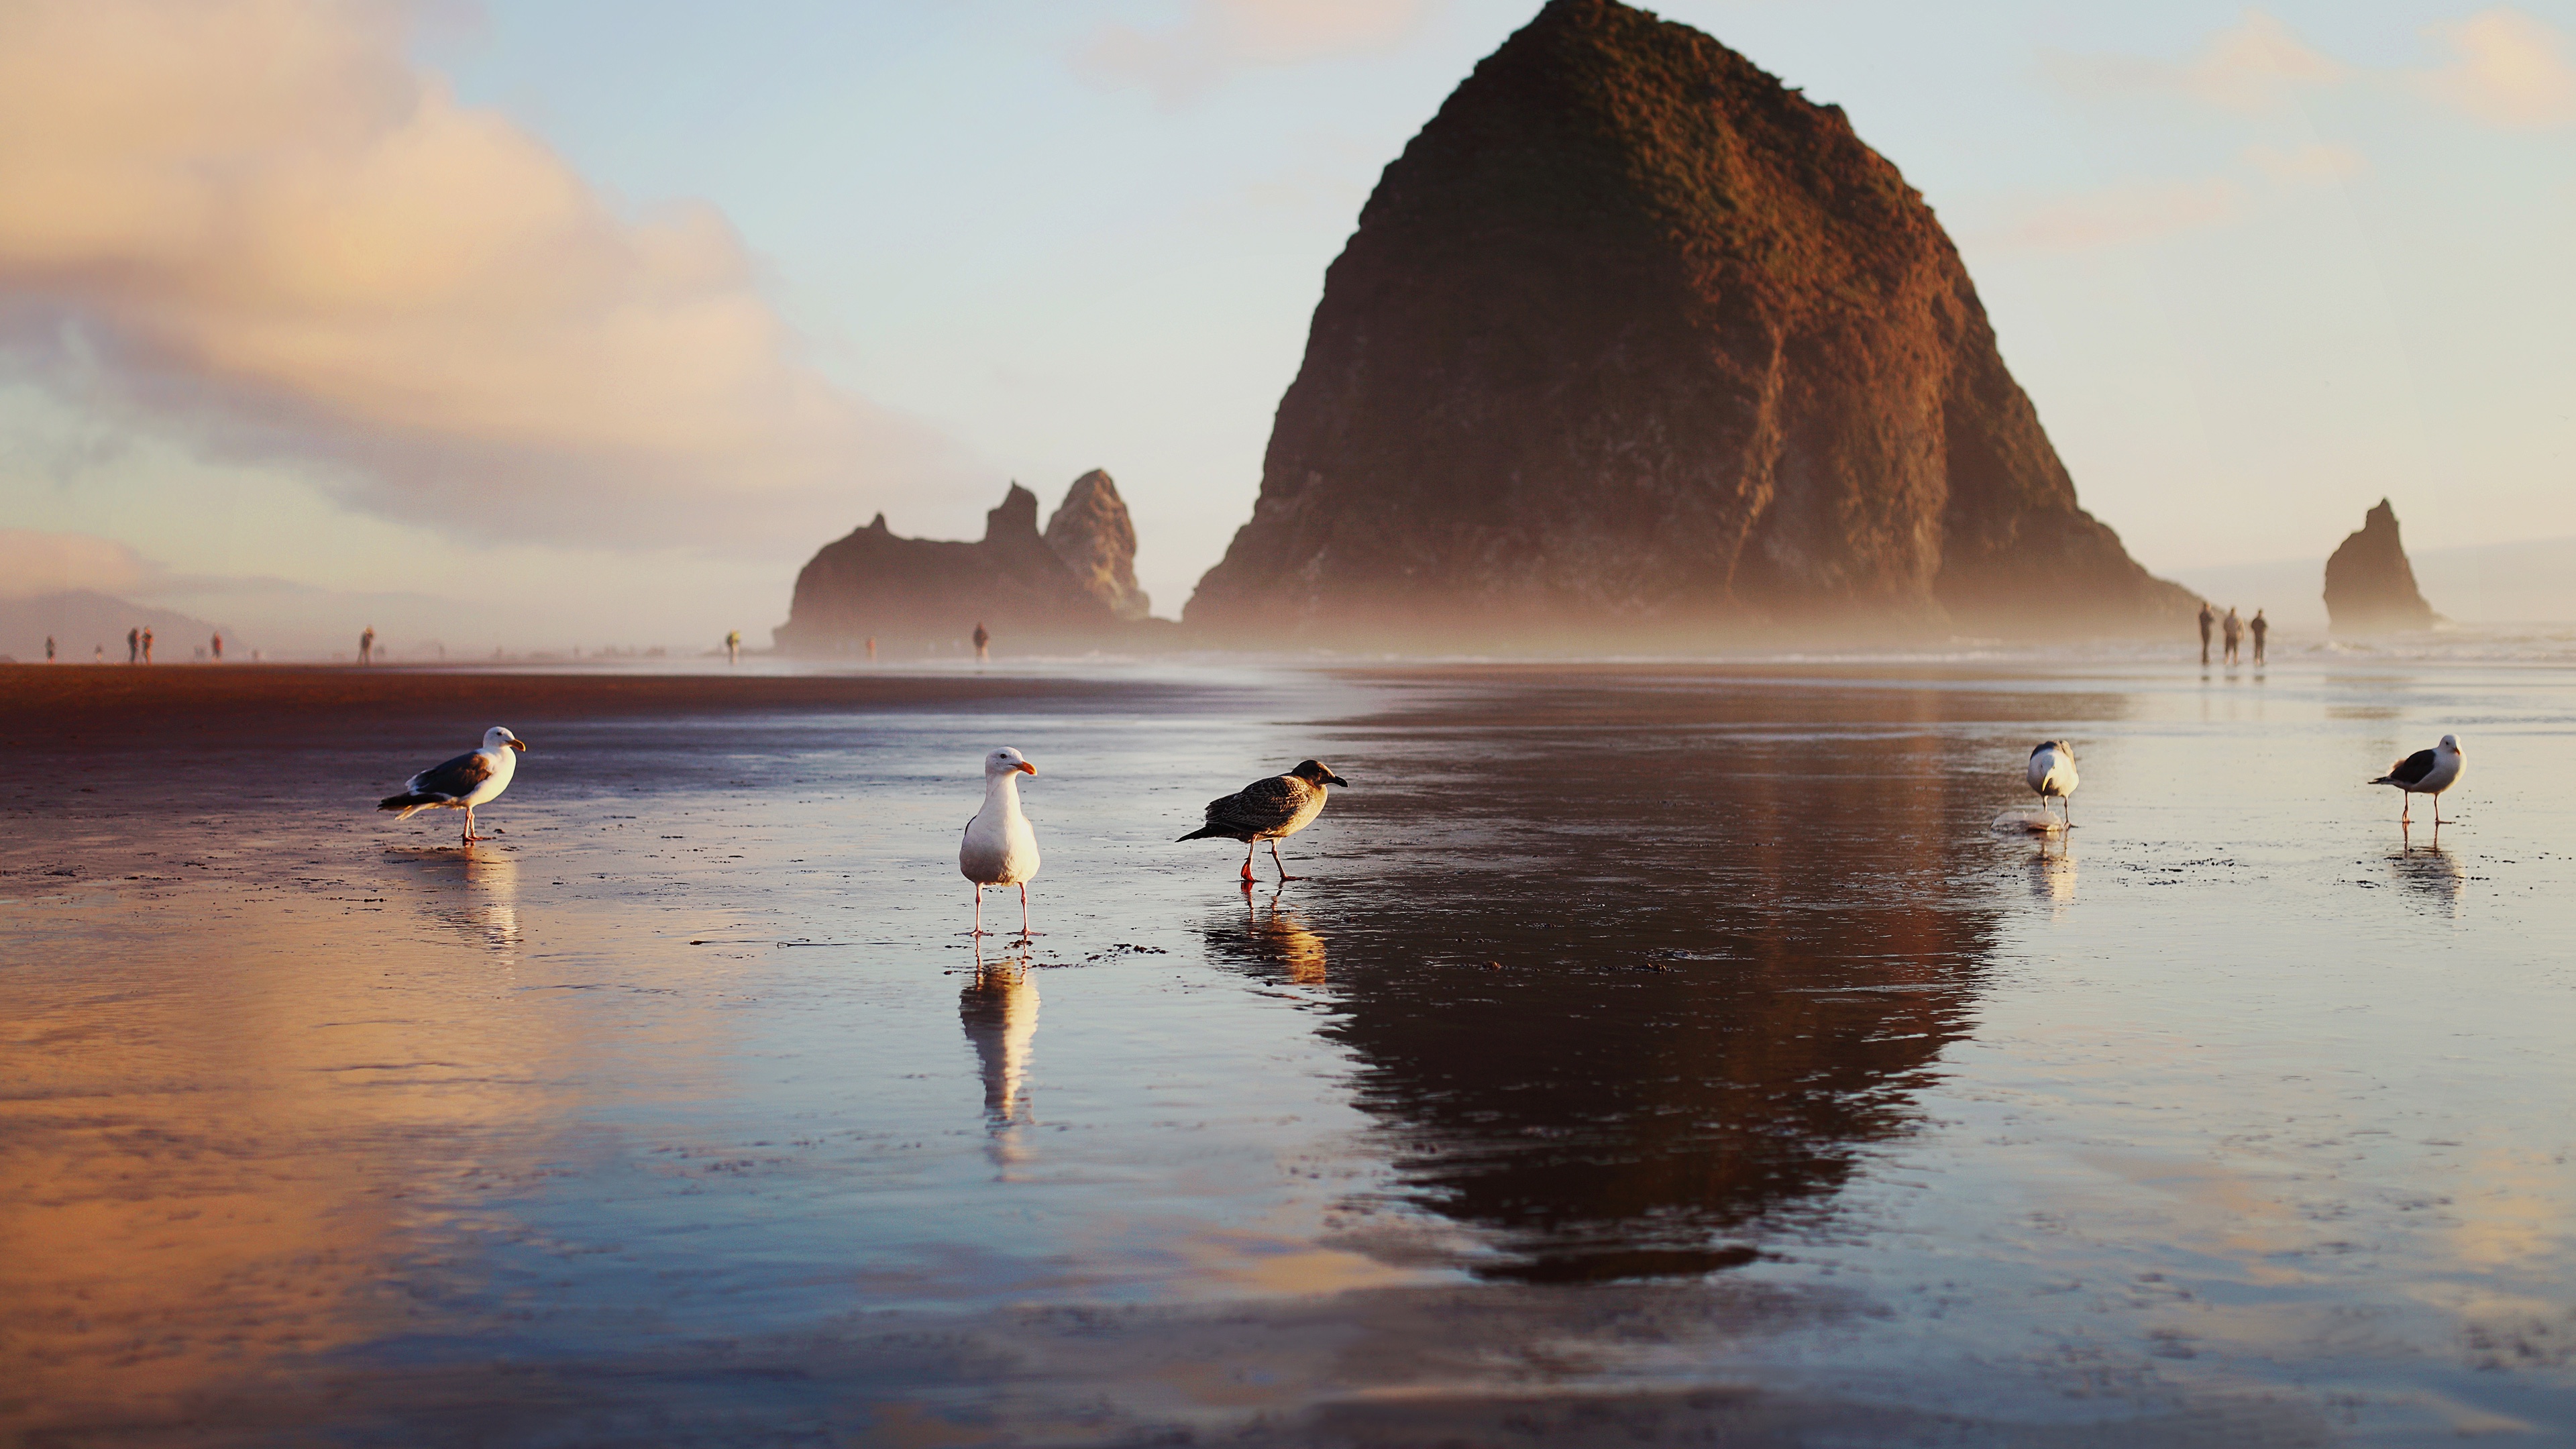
2116	215
2511	71
2315	163
255	222
33	563
1215	38
2257	64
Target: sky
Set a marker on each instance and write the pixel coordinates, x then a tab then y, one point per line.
534	323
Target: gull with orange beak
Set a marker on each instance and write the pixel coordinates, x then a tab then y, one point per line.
474	778
999	847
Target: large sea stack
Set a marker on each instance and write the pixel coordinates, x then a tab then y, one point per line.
1633	341
877	584
2370	586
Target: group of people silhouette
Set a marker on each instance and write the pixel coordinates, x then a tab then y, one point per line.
2233	631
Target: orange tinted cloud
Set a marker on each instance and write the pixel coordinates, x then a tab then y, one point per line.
1217	37
257	216
34	563
2510	70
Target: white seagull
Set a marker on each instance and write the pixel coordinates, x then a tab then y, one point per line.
999	848
1269	810
2425	772
474	778
2052	773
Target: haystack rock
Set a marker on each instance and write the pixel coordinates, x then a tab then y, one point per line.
915	590
1631	341
1093	535
2370	587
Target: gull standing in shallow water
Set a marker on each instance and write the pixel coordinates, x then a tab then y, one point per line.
2052	774
999	847
2425	772
471	779
1269	810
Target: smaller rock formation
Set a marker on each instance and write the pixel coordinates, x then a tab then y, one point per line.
1093	535
913	590
2370	587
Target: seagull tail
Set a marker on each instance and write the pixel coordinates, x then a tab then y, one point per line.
1204	832
408	803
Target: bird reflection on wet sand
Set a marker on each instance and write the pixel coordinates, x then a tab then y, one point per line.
2052	871
1273	939
999	1011
474	890
2431	874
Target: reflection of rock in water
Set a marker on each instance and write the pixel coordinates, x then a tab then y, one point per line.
999	1010
2432	874
1725	970
1272	939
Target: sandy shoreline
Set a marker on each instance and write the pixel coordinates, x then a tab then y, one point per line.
57	706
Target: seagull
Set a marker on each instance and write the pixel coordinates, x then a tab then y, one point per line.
2425	772
1269	810
2052	772
474	778
999	848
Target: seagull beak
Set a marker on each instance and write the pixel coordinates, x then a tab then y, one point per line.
1337	780
1027	769
520	745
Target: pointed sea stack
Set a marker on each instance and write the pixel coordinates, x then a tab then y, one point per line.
1633	341
1091	532
2370	586
919	590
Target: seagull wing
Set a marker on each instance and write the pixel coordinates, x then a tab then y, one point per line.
456	779
1263	805
2409	770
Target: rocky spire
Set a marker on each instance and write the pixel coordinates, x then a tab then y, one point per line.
2370	587
1633	340
1093	535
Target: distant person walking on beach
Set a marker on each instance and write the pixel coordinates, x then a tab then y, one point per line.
49	649
2207	618
367	646
872	646
147	646
733	646
2234	628
2260	626
983	642
133	645
98	654
219	646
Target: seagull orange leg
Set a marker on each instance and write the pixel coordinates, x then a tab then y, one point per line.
1284	876
1024	909
979	911
1248	848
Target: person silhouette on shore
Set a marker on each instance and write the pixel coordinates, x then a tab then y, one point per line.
2258	626
367	646
218	643
2207	618
2234	629
872	646
133	645
98	654
983	642
147	646
733	646
49	649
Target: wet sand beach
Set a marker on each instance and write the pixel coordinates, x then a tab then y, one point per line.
1656	1054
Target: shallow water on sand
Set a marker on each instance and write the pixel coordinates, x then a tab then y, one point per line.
1654	1053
